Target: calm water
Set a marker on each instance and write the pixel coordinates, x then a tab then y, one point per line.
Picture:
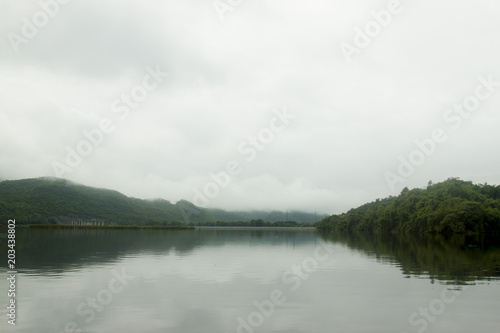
251	281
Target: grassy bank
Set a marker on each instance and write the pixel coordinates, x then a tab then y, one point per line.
107	227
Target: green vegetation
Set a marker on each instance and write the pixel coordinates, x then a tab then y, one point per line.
106	227
274	216
453	206
57	201
259	223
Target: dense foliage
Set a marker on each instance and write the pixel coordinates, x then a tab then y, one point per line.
52	200
453	206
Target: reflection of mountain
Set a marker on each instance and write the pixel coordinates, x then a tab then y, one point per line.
458	258
61	249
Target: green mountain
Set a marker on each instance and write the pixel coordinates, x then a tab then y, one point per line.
53	200
453	206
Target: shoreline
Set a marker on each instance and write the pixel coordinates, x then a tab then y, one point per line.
107	227
135	227
252	228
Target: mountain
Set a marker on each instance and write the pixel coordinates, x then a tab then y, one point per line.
453	206
274	216
54	200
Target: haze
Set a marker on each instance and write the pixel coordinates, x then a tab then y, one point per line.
277	104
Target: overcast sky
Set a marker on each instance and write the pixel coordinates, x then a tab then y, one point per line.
311	105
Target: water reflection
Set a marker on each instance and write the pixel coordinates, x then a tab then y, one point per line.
210	280
60	250
454	259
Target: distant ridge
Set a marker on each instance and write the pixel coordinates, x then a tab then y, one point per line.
54	200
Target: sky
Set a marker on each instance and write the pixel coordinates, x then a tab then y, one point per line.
317	106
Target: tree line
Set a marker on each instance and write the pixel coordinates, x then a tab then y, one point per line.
452	206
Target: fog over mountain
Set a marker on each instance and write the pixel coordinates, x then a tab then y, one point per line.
269	105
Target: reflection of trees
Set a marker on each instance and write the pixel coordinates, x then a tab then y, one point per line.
456	258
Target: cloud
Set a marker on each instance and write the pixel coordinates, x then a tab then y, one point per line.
352	121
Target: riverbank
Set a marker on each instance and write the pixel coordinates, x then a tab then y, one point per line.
253	228
112	227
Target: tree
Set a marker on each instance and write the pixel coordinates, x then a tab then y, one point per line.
453	206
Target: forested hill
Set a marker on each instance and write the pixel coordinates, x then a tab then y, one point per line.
453	206
52	200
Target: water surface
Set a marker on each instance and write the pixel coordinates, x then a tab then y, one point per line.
252	281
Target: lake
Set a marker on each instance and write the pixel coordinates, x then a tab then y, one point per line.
283	280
